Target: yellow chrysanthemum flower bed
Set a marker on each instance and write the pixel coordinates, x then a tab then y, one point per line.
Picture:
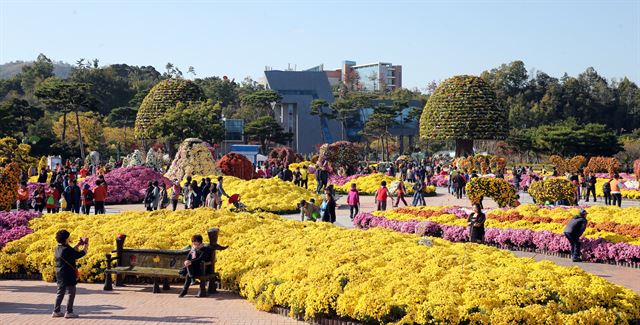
628	194
265	194
368	184
600	218
318	269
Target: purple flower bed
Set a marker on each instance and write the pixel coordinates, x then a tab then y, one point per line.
593	250
15	225
341	180
127	185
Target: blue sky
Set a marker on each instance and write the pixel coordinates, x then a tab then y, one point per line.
433	40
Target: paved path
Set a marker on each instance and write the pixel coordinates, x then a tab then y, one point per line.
31	302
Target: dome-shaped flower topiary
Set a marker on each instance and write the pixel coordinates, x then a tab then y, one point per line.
165	94
463	108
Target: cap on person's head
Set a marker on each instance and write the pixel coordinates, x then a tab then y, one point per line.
62	236
86	186
583	212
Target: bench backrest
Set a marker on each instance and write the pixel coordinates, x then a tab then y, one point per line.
153	258
166	259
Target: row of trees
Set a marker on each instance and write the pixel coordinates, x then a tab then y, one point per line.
580	115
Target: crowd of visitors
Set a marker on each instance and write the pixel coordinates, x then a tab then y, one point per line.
58	190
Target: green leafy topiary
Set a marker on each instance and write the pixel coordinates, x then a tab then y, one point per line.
463	108
165	94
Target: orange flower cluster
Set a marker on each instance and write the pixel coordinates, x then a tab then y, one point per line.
9	178
603	164
481	163
567	165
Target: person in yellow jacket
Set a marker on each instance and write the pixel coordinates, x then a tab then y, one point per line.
616	195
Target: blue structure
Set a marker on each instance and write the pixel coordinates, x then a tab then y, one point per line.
248	150
298	89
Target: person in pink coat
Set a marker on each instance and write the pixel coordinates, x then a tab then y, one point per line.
353	200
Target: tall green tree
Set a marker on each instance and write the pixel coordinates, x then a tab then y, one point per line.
258	104
16	115
68	97
266	129
321	109
191	120
570	138
33	74
123	117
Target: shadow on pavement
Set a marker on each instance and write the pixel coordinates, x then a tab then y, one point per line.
49	289
30	309
161	319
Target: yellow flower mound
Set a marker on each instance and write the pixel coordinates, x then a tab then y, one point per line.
368	184
318	269
265	194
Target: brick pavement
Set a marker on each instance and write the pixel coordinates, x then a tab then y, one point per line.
31	302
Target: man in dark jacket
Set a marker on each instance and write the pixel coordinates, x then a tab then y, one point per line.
574	229
72	196
591	186
66	268
322	177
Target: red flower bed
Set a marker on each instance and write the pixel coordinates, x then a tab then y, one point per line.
236	165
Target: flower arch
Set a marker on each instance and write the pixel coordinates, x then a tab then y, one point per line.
496	188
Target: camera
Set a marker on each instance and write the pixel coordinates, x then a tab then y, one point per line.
84	240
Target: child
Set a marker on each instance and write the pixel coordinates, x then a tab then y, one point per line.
381	196
353	200
66	269
400	195
23	197
87	199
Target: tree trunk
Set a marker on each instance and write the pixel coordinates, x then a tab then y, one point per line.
464	147
64	126
125	138
344	132
80	136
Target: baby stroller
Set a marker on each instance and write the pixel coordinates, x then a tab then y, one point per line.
237	205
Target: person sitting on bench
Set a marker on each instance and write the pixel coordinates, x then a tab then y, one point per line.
193	266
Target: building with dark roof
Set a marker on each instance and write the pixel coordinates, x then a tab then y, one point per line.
298	89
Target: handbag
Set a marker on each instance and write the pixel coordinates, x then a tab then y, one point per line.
63	203
76	272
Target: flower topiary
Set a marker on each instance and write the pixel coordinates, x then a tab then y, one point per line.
284	155
9	178
496	188
237	165
552	190
193	158
603	164
464	108
338	154
165	94
567	165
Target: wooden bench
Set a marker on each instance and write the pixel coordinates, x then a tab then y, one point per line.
160	265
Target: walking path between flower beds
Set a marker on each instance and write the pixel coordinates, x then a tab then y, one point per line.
31	302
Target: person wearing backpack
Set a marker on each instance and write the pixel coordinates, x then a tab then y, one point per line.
87	199
606	190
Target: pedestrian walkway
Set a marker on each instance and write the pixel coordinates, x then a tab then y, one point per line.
31	302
